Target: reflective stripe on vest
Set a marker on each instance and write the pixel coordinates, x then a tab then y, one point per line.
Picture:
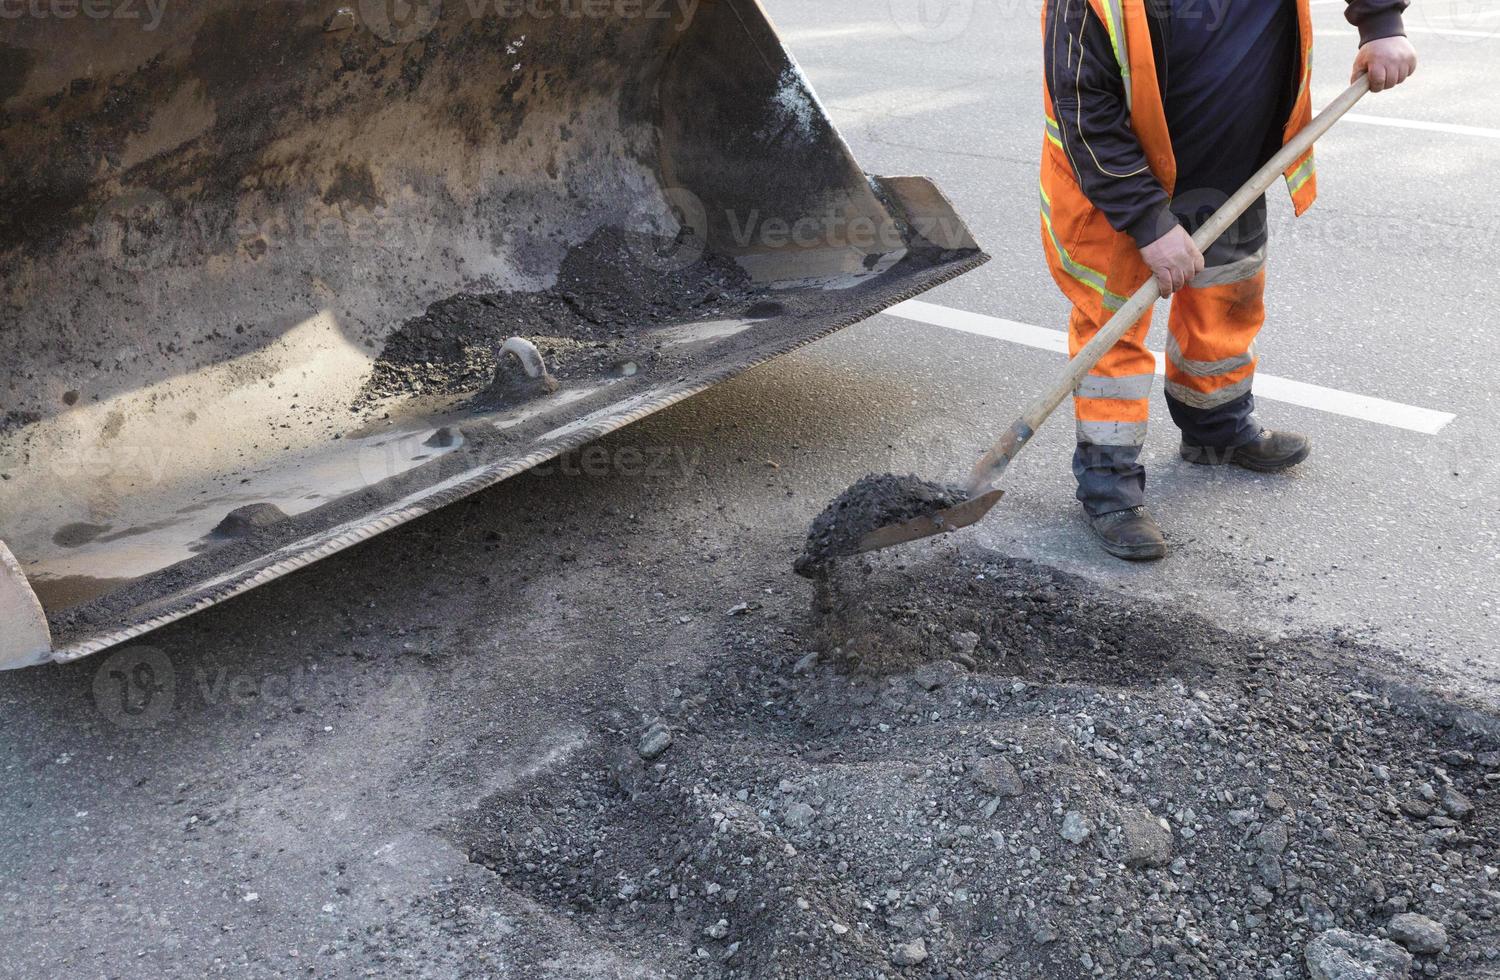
1114	22
1305	169
1092	278
1054	133
1231	272
1300	175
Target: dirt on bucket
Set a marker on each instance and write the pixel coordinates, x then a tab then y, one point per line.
605	296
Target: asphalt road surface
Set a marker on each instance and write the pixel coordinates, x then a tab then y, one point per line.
287	807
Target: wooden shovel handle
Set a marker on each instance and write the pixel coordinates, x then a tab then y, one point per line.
993	463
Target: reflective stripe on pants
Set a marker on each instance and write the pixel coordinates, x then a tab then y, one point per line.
1210	347
1234	271
1111	403
1211	352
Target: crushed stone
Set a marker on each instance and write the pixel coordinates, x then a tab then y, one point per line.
846	818
1341	955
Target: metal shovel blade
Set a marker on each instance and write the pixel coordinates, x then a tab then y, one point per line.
937	522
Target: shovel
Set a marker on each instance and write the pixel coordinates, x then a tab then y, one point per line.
980	493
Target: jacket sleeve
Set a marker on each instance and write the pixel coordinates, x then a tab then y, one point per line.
1088	101
1376	18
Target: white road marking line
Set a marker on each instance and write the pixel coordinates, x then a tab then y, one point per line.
905	101
1431	127
813	35
994	327
1352	405
1440	31
1330	400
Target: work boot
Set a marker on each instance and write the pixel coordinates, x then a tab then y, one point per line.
1131	534
1269	452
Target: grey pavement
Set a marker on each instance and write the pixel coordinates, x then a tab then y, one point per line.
287	814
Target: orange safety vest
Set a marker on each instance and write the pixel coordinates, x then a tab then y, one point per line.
1086	254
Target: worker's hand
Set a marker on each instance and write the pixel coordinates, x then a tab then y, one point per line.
1389	61
1174	258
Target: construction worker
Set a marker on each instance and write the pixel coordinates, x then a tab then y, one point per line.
1157	111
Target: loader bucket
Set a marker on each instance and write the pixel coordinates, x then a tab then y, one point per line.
279	275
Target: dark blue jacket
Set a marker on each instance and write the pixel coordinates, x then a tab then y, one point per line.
1227	72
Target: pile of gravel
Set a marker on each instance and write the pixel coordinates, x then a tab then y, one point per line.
1006	774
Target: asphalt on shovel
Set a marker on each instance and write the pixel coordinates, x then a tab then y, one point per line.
883	511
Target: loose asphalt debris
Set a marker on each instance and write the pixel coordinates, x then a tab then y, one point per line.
587	324
979	768
873	501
